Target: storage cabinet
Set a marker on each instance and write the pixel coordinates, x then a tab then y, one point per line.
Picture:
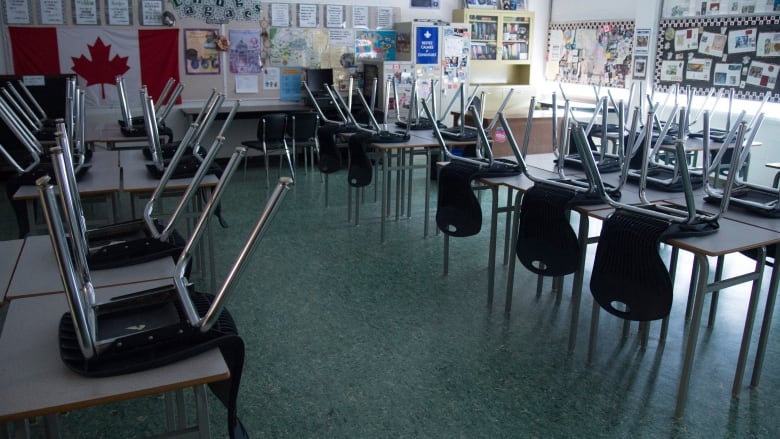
500	45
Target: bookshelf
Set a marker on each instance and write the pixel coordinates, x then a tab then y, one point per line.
500	45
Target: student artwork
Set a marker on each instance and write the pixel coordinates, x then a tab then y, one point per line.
741	53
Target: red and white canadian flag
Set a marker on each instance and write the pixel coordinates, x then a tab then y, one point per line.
97	56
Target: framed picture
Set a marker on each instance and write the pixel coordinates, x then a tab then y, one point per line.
512	5
482	4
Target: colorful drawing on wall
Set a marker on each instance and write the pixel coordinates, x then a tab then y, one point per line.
297	47
246	47
598	53
375	44
200	52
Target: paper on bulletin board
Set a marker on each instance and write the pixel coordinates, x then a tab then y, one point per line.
290	83
727	75
246	47
246	84
556	45
271	78
762	74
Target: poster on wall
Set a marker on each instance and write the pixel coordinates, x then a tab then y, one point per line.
246	47
201	56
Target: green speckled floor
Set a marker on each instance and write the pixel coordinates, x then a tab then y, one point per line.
350	338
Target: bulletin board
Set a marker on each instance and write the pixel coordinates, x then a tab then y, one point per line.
593	52
739	53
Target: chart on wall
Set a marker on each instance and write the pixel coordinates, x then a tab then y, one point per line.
739	53
597	53
297	47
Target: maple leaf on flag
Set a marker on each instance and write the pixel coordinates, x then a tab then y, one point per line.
100	70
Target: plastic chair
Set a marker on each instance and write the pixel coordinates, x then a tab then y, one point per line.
271	140
302	131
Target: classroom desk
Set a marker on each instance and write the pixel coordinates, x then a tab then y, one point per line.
738	214
101	181
245	110
36	382
10	251
36	271
111	137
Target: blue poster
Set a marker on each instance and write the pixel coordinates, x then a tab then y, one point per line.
290	84
427	49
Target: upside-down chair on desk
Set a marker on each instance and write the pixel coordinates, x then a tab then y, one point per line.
27	155
147	329
129	242
546	243
458	211
629	279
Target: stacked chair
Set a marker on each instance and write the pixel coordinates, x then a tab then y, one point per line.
147	329
458	211
29	110
136	126
24	150
546	243
643	291
136	241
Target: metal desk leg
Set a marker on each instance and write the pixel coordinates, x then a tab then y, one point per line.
750	318
766	324
579	275
693	333
510	276
409	185
426	221
202	411
594	331
507	228
385	193
714	298
399	160
492	250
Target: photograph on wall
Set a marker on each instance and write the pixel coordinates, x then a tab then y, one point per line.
712	44
642	41
672	71
768	44
698	69
640	67
686	39
762	74
742	41
246	47
201	56
727	75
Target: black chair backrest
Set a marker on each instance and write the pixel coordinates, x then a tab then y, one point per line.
273	127
303	126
